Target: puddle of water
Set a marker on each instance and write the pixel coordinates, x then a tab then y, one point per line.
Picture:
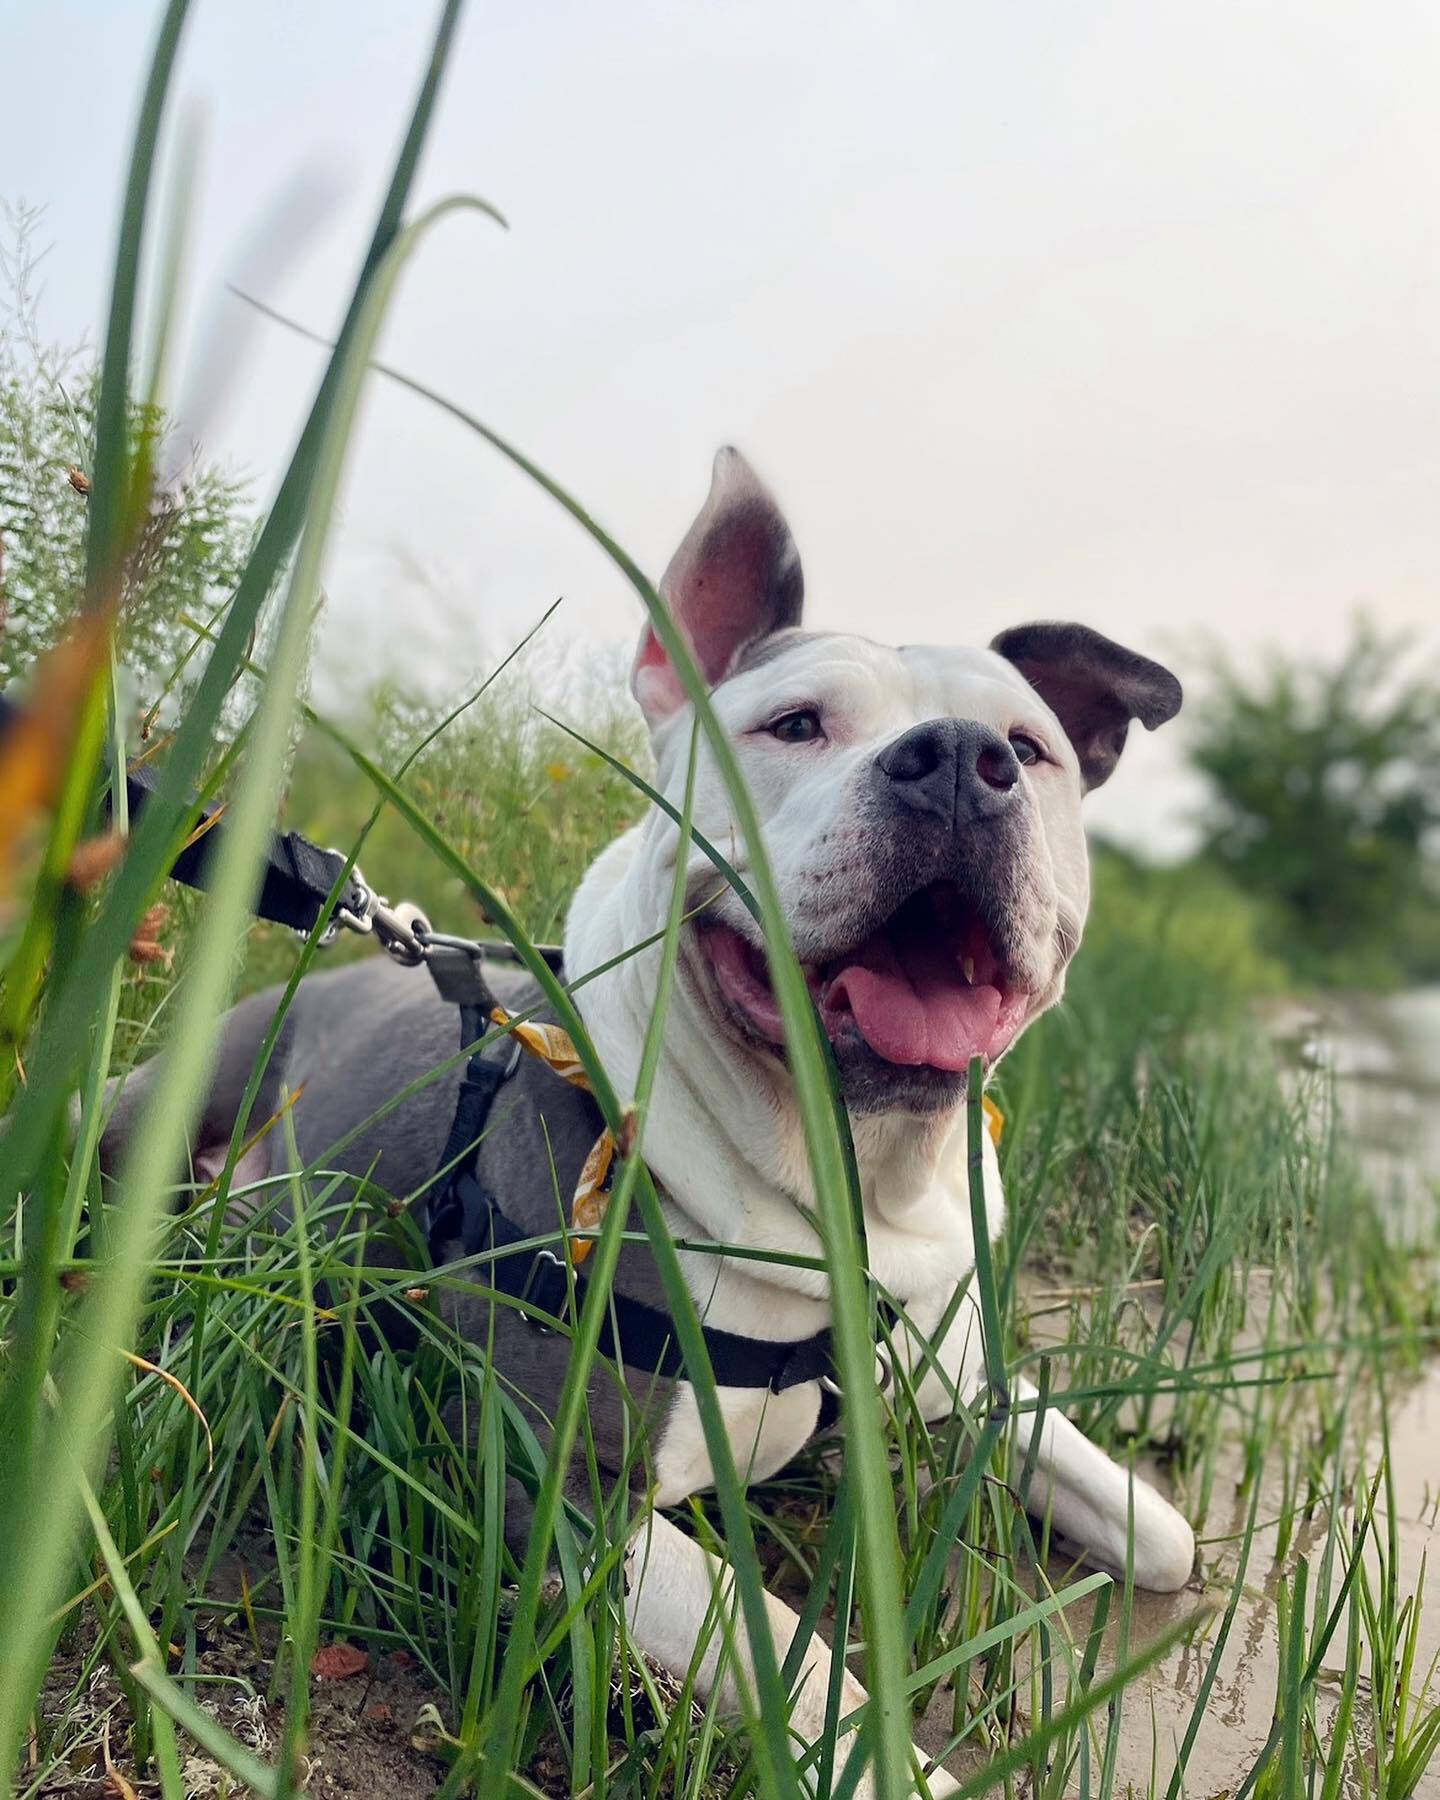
1384	1054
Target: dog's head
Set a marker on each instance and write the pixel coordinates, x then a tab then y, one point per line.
920	805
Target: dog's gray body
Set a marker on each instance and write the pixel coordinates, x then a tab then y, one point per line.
352	1039
921	810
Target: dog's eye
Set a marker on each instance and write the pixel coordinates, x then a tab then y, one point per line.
1025	748
800	727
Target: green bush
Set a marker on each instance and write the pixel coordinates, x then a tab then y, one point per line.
181	565
1324	785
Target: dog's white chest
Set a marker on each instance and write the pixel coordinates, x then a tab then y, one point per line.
765	1429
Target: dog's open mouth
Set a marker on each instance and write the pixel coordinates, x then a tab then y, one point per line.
927	989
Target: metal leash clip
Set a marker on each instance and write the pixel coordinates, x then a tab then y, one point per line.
401	928
358	917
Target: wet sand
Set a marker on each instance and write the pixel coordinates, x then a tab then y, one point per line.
1241	1705
1385	1055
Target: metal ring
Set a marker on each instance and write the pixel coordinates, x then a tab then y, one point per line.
404	931
534	1274
885	1375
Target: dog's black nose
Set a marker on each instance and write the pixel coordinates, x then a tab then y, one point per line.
957	768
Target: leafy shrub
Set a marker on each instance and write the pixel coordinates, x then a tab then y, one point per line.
1325	798
183	564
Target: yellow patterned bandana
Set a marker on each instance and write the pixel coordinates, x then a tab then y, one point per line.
552	1046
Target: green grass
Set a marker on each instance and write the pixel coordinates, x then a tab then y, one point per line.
1193	1267
1221	1176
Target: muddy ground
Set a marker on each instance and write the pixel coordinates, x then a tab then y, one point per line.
368	1731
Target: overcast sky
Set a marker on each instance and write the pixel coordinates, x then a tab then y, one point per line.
1125	312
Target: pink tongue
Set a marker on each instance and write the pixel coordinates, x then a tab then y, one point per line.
913	1005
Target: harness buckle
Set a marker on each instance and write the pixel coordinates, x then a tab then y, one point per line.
458	971
546	1269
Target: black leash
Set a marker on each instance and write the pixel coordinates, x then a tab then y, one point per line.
298	880
298	877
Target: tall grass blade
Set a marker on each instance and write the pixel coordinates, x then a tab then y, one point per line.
826	1142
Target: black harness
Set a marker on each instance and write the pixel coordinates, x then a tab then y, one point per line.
298	881
464	1210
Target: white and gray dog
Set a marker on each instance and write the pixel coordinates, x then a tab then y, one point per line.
921	807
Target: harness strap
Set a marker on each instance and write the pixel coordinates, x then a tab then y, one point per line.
632	1333
479	1085
536	1276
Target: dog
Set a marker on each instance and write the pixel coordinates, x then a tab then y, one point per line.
921	807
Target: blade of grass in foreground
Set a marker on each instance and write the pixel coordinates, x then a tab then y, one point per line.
656	798
109	1313
24	1510
114	518
776	1770
994	1344
162	1135
112	505
169	816
830	1167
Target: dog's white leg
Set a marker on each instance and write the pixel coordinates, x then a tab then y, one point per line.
671	1607
1088	1499
1086	1494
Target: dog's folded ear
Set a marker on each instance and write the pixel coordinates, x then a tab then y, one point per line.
735	579
1093	686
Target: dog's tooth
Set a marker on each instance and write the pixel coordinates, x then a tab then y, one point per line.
967	969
